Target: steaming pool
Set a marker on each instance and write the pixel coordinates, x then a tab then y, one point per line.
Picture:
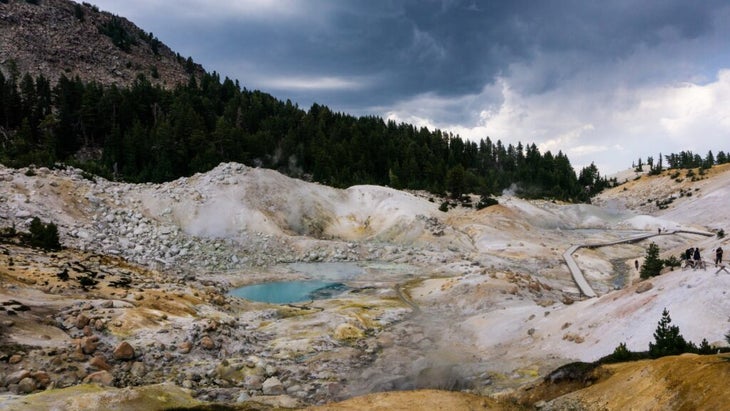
284	292
325	280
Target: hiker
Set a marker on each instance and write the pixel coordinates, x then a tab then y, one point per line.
697	257
688	257
718	256
636	264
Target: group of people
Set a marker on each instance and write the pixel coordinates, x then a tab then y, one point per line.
692	255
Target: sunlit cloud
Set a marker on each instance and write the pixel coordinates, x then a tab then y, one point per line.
311	83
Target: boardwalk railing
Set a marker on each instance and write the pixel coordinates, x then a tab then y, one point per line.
577	274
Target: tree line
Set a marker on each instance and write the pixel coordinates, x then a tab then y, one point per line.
682	160
144	133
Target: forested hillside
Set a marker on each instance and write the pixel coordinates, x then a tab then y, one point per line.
147	133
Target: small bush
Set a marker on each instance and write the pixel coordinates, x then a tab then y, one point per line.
44	236
623	354
668	340
486	201
672	262
652	263
444	206
8	232
721	233
79	12
705	348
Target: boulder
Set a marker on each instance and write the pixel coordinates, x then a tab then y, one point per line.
644	287
15	377
41	378
207	343
124	351
138	369
100	363
26	386
104	378
185	347
89	344
272	386
82	321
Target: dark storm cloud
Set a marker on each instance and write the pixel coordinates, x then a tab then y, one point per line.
571	72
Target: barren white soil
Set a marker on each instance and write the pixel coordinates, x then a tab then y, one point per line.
469	299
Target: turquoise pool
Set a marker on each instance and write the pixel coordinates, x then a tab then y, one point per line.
284	292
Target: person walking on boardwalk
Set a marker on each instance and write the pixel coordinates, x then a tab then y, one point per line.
718	256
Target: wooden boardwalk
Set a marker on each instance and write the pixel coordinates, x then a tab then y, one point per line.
576	272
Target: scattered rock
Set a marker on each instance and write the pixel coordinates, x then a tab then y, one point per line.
185	347
644	286
124	351
100	363
207	343
15	358
138	369
272	386
82	321
42	378
26	386
104	378
15	377
89	344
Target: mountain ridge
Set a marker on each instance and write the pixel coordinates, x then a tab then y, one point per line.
61	37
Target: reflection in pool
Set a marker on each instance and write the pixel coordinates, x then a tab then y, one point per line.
283	292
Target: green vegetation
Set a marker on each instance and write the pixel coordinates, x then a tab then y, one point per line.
652	263
44	236
668	340
684	160
79	12
149	134
115	30
486	201
40	235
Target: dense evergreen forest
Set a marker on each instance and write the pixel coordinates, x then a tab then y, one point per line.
144	133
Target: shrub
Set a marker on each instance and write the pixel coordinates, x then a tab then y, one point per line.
79	12
652	263
668	340
44	236
721	233
621	353
672	262
8	231
444	206
486	201
705	348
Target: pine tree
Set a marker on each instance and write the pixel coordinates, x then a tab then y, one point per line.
652	263
667	339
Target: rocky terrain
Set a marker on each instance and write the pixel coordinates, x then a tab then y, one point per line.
55	37
470	300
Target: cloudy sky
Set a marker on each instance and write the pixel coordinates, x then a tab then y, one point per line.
603	81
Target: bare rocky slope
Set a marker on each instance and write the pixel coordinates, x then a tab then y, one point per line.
475	301
55	37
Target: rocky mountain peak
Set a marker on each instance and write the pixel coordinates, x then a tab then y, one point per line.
61	37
